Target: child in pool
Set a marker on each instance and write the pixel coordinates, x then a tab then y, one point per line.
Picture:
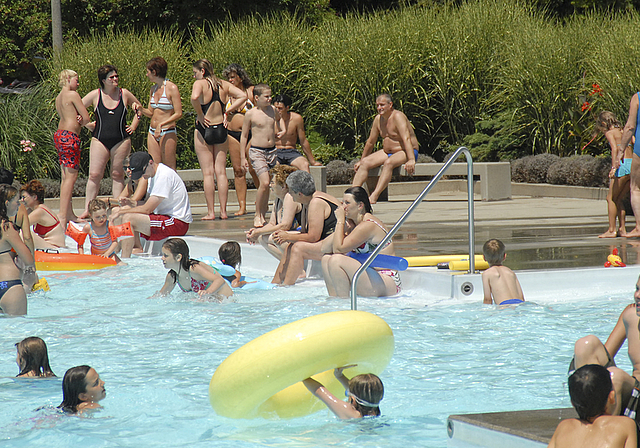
499	283
82	389
98	230
608	124
189	274
364	391
32	358
231	255
593	397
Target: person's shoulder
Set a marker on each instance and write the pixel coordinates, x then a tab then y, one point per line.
295	116
618	423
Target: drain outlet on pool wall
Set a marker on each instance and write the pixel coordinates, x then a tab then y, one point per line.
467	288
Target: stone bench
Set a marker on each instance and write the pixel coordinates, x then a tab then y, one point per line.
319	174
495	177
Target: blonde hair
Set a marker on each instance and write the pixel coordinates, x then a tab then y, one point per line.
65	75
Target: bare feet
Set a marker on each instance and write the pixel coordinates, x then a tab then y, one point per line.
373	200
223	215
242	211
622	232
635	233
608	234
208	217
84	215
258	221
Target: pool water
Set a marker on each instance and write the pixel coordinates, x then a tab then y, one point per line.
157	356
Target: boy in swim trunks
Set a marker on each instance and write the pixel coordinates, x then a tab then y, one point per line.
499	283
73	115
262	122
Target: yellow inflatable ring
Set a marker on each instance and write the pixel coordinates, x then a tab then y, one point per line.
263	378
432	260
70	262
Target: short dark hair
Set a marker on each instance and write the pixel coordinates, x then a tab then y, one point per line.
240	72
360	195
386	96
230	254
284	99
34	188
493	251
6	176
589	389
104	71
73	384
159	66
260	89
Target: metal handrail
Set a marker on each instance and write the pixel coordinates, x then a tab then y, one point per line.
403	218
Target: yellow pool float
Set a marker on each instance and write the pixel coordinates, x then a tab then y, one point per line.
263	377
433	260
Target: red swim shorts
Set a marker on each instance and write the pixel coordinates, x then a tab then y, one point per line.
163	226
68	145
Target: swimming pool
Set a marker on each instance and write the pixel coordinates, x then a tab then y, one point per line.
157	356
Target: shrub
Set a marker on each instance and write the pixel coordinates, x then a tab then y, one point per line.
586	171
339	172
532	169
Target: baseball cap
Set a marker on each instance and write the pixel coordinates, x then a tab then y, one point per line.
138	163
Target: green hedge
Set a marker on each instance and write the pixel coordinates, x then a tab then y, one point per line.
498	76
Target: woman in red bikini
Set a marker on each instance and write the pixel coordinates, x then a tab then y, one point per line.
47	229
189	274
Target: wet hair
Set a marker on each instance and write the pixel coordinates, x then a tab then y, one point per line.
240	72
6	176
607	120
74	383
360	195
301	182
493	251
104	71
284	99
158	66
95	205
230	254
589	389
34	188
259	89
178	246
386	96
7	193
204	64
366	388
281	172
64	77
34	357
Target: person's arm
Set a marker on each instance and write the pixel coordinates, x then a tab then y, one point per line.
174	96
486	288
615	153
90	99
618	334
147	112
130	100
239	97
629	128
13	237
244	138
80	109
371	141
340	408
145	208
168	286
196	93
25	226
85	229
203	271
316	222
632	434
304	143
402	125
337	372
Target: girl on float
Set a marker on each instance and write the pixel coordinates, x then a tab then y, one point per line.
165	109
82	389
364	391
32	358
608	124
359	231
189	274
209	97
230	254
237	76
286	213
49	233
13	299
18	215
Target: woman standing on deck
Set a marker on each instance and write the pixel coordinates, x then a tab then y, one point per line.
209	97
165	109
239	78
111	134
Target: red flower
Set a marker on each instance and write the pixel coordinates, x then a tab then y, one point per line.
596	89
586	106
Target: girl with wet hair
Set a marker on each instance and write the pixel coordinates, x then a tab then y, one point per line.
33	359
190	274
230	254
82	389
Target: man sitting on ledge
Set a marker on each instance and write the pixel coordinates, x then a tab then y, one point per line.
399	145
165	213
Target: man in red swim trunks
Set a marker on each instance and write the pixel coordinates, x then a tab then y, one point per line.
165	213
73	115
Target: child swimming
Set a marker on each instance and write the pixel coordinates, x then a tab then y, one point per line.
189	274
364	391
231	255
82	389
98	230
32	358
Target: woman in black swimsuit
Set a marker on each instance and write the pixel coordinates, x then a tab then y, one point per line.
111	134
208	97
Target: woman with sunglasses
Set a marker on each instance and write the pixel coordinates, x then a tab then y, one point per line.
111	134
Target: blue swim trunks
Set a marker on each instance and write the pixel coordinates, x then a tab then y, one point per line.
624	169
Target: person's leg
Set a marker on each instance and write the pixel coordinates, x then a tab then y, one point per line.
118	153
153	148
239	176
622	188
139	223
590	350
204	153
300	252
371	284
262	199
271	246
283	266
301	163
98	158
386	172
371	161
326	274
69	177
168	145
612	211
14	301
220	168
623	385
635	194
40	243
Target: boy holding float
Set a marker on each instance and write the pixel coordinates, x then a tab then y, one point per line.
499	283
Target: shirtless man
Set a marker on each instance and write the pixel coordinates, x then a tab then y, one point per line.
630	129
399	145
262	122
590	350
73	115
293	126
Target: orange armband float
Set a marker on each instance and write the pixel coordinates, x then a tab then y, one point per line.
74	230
121	231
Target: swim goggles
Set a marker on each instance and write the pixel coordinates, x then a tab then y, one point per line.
360	401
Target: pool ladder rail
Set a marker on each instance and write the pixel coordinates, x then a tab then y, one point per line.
472	267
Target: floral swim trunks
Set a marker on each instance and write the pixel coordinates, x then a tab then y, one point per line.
68	145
